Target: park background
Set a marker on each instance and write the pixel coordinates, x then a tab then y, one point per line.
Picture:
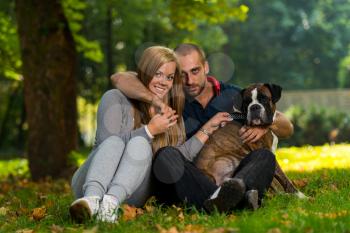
56	58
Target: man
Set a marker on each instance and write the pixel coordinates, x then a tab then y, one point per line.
177	178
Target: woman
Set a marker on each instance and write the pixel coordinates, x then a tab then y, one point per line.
118	168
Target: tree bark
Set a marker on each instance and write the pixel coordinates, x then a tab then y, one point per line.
49	70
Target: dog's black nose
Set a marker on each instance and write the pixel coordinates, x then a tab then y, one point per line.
255	107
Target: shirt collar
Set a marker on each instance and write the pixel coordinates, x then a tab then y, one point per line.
216	85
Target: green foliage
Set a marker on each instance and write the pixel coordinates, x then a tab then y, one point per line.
344	73
297	43
10	62
317	126
74	11
190	14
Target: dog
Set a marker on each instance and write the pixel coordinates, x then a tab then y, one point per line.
224	150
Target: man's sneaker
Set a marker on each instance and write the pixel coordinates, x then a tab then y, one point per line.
108	211
84	208
252	199
230	194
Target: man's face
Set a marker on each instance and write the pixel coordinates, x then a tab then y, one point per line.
194	73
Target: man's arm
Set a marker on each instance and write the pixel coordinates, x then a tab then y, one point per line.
281	127
131	86
128	83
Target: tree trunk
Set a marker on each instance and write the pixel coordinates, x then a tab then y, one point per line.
49	69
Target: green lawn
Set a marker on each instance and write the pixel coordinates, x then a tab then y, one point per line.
321	172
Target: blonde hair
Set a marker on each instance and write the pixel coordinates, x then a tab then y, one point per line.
151	60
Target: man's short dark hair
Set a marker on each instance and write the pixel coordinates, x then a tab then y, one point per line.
187	48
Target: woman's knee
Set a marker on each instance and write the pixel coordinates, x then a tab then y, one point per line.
139	149
113	141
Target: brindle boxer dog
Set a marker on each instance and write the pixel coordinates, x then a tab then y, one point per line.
224	150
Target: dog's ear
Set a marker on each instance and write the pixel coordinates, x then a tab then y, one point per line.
275	91
242	92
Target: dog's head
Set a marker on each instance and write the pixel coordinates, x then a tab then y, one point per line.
259	103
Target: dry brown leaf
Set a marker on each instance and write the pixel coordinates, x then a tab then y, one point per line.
130	212
3	211
149	208
56	229
193	229
224	230
194	217
39	213
181	216
333	187
301	183
25	231
274	230
92	230
163	230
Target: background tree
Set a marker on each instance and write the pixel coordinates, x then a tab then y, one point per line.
49	69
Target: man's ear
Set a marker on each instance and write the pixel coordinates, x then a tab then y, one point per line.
206	67
275	90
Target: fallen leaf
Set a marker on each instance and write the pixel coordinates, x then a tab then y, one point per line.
333	187
149	208
92	230
56	229
193	229
181	216
301	183
194	217
224	230
274	230
39	213
3	211
130	212
25	231
163	230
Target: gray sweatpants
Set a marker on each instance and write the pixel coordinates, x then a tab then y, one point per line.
117	169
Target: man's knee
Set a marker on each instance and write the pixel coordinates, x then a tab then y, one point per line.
168	165
264	154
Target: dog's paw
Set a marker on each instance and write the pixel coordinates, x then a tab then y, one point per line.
301	195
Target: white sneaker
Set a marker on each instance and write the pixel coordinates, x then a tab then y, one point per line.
84	208
108	209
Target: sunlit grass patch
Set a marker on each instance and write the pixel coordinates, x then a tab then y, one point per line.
309	158
14	167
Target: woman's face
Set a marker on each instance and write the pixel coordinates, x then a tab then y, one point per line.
163	79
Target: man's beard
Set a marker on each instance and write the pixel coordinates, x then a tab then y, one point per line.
197	93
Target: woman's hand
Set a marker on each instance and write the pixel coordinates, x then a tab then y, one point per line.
220	119
160	123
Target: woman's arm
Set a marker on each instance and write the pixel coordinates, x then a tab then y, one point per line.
112	115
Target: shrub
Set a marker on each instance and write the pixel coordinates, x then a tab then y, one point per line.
317	126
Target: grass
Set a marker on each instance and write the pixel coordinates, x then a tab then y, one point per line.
322	173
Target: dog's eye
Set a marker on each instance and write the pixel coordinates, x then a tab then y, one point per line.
264	98
247	99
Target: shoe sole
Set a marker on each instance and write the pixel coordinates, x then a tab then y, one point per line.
231	193
253	199
80	211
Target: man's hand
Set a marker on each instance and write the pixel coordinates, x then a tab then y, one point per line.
252	134
160	106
